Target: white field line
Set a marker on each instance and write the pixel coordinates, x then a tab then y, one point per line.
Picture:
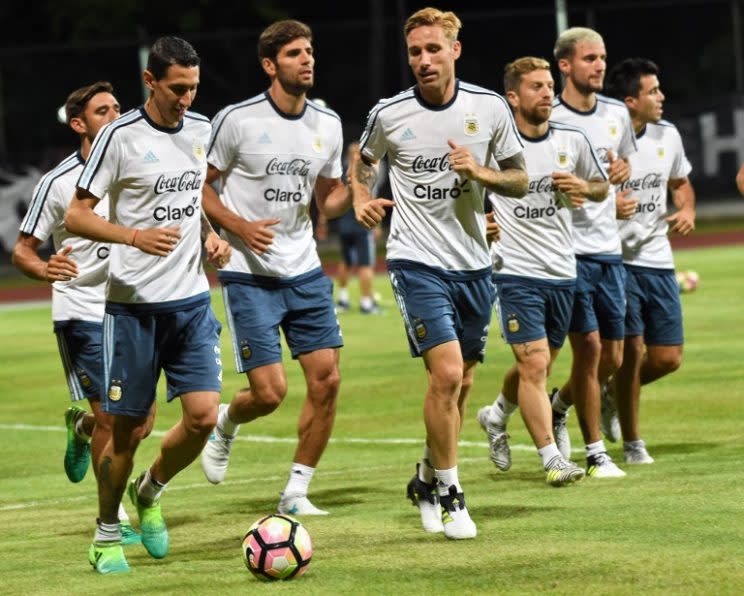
248	439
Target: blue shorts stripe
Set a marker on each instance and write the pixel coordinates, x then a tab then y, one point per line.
233	330
73	384
404	313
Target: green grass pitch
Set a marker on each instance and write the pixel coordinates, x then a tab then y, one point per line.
673	527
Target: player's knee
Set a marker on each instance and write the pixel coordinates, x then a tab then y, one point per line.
324	387
270	397
446	380
611	360
534	371
589	348
667	362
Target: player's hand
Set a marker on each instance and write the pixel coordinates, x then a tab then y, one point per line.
371	213
619	170
60	267
625	205
156	241
493	231
682	222
461	160
258	235
576	188
218	250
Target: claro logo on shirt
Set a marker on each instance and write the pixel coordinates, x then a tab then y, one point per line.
188	180
173	213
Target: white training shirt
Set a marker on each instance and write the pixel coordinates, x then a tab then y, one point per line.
81	298
608	126
154	178
660	157
438	216
536	230
269	162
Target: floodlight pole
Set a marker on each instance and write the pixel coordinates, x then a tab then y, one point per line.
561	16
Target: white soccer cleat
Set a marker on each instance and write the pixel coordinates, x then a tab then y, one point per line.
636	454
560	431
425	497
455	516
297	504
609	422
561	472
602	466
498	440
216	453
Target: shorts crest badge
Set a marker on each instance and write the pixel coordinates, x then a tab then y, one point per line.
471	125
512	324
245	350
419	328
115	392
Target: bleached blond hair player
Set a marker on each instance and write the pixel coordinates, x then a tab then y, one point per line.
596	332
446	142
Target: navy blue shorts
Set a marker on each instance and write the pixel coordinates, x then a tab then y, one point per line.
79	345
529	312
358	249
185	344
305	312
654	308
438	309
599	303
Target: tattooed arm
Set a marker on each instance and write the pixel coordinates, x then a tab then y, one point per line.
369	211
510	181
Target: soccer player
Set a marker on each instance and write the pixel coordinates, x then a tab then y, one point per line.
77	271
654	312
536	282
446	141
357	250
596	331
152	164
270	154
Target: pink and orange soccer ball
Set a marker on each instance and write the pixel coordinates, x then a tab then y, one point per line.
277	547
688	281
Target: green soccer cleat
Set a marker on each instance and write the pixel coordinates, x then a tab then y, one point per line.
129	535
108	557
77	453
152	525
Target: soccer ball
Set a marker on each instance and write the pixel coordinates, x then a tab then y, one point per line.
277	547
688	281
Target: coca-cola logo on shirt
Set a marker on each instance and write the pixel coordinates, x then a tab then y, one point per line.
290	167
431	164
544	184
188	180
652	180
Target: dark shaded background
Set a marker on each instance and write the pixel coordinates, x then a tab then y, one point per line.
48	48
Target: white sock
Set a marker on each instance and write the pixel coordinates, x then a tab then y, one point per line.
123	517
227	426
558	404
150	489
501	411
343	294
639	444
366	302
447	478
107	532
80	430
548	452
299	479
426	469
595	448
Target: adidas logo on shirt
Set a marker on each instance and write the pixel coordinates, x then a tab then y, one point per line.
407	135
151	158
264	139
